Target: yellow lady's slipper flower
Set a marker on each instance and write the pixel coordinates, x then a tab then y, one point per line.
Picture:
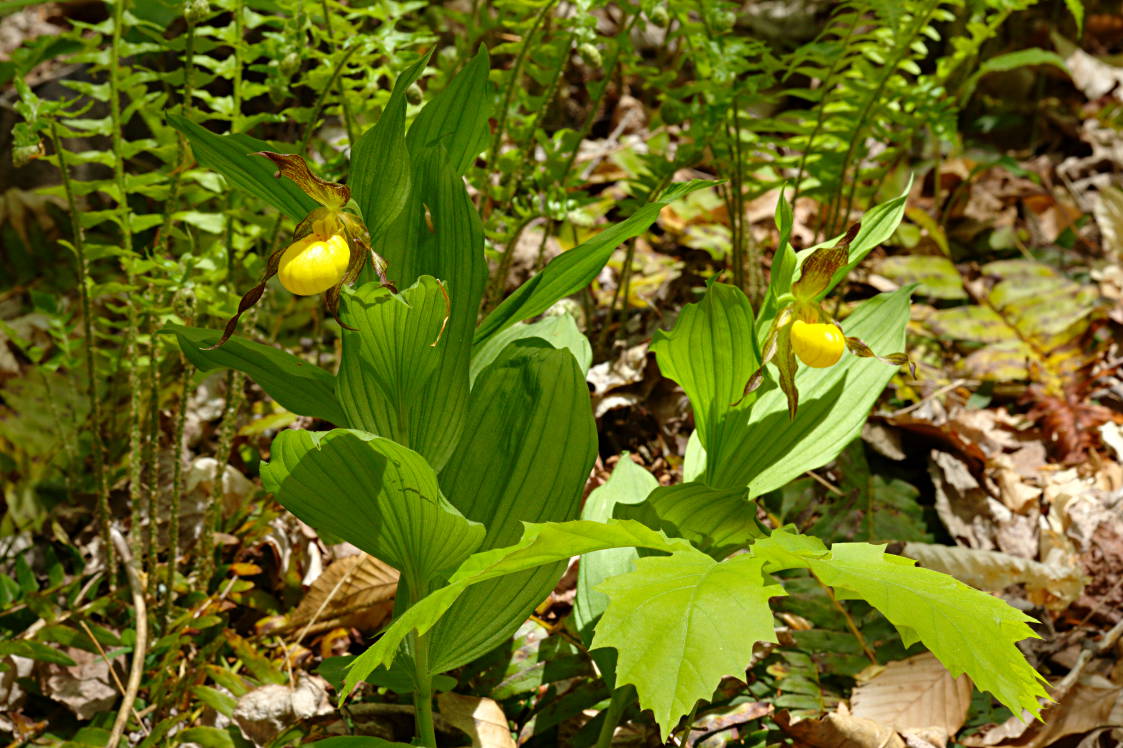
331	245
817	344
803	330
314	264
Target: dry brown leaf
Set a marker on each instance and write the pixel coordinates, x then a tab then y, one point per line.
1094	77
482	719
355	591
917	693
1108	210
263	713
711	725
994	571
973	516
841	730
1093	703
86	687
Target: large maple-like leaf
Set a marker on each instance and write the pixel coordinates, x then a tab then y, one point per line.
969	631
681	622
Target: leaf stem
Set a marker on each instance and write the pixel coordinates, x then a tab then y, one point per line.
621	697
849	621
423	696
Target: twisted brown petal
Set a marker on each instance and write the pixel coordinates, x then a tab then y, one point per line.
250	298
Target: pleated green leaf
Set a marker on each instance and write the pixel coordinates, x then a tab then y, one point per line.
392	380
229	155
628	484
456	118
532	444
765	448
381	174
969	631
298	386
571	271
680	623
541	545
717	521
710	352
375	494
560	331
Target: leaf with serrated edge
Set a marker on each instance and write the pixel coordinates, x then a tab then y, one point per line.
541	544
681	622
969	631
629	484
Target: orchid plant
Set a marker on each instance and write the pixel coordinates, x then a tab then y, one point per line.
461	448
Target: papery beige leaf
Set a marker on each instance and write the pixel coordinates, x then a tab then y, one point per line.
355	591
994	571
917	693
263	713
841	730
974	517
1108	210
1093	703
482	719
86	687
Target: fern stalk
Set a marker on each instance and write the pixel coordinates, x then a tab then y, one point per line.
516	71
310	128
177	490
837	213
497	281
132	332
152	455
826	85
343	105
235	382
96	444
496	285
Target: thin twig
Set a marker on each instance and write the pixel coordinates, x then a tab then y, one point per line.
113	673
849	621
140	610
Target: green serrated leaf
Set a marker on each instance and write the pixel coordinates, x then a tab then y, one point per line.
629	484
968	631
541	544
679	623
